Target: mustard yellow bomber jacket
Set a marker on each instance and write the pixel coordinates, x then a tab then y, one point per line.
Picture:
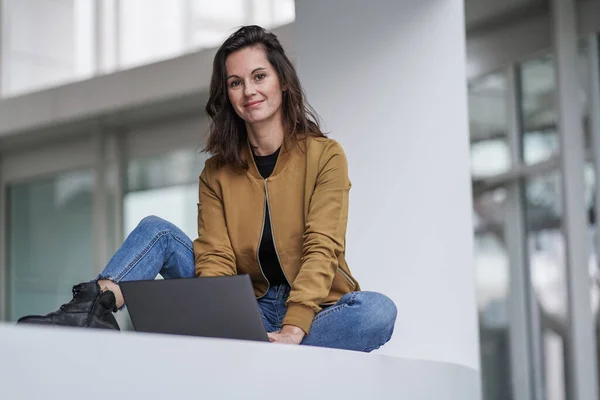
307	195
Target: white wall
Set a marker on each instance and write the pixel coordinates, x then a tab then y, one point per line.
389	80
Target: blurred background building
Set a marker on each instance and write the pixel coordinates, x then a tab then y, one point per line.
102	123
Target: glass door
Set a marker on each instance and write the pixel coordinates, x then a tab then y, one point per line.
49	241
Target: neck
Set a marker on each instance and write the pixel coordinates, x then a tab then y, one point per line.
266	137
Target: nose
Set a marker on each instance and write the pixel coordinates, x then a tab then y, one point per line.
249	89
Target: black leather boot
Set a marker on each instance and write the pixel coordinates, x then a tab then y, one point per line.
89	308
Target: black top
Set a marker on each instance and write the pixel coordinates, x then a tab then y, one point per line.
266	252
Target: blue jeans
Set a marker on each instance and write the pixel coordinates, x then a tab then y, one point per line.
361	321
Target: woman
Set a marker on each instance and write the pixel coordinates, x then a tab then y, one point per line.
273	204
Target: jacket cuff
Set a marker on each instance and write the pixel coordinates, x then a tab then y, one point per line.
300	316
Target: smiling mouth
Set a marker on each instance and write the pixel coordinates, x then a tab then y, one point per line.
253	104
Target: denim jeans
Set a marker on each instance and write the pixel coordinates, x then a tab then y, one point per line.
361	321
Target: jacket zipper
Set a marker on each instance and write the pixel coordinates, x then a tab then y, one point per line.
347	277
273	234
262	231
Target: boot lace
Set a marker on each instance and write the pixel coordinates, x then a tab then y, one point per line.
77	290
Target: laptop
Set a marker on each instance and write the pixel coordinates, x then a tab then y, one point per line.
218	307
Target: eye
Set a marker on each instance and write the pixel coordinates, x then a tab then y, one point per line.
234	84
260	77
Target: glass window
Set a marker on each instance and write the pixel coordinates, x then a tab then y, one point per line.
47	43
492	286
226	12
490	154
593	262
547	263
49	241
166	186
211	22
176	204
284	12
170	169
150	34
170	28
538	109
543	214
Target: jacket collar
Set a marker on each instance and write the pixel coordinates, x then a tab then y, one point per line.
287	148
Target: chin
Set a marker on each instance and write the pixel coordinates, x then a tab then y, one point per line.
256	120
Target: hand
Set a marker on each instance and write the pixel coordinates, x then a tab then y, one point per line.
288	335
282	338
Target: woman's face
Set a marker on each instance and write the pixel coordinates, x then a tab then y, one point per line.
253	86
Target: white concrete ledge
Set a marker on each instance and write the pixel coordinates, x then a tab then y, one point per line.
62	363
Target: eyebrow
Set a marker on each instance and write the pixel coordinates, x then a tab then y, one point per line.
256	69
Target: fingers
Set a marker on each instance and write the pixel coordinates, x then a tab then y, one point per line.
276	337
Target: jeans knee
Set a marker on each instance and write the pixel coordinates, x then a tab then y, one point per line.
154	222
389	312
380	313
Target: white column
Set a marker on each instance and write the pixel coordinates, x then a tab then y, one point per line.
3	264
3	46
581	344
3	274
594	107
388	78
100	230
109	166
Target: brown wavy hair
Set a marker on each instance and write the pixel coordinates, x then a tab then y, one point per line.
227	135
